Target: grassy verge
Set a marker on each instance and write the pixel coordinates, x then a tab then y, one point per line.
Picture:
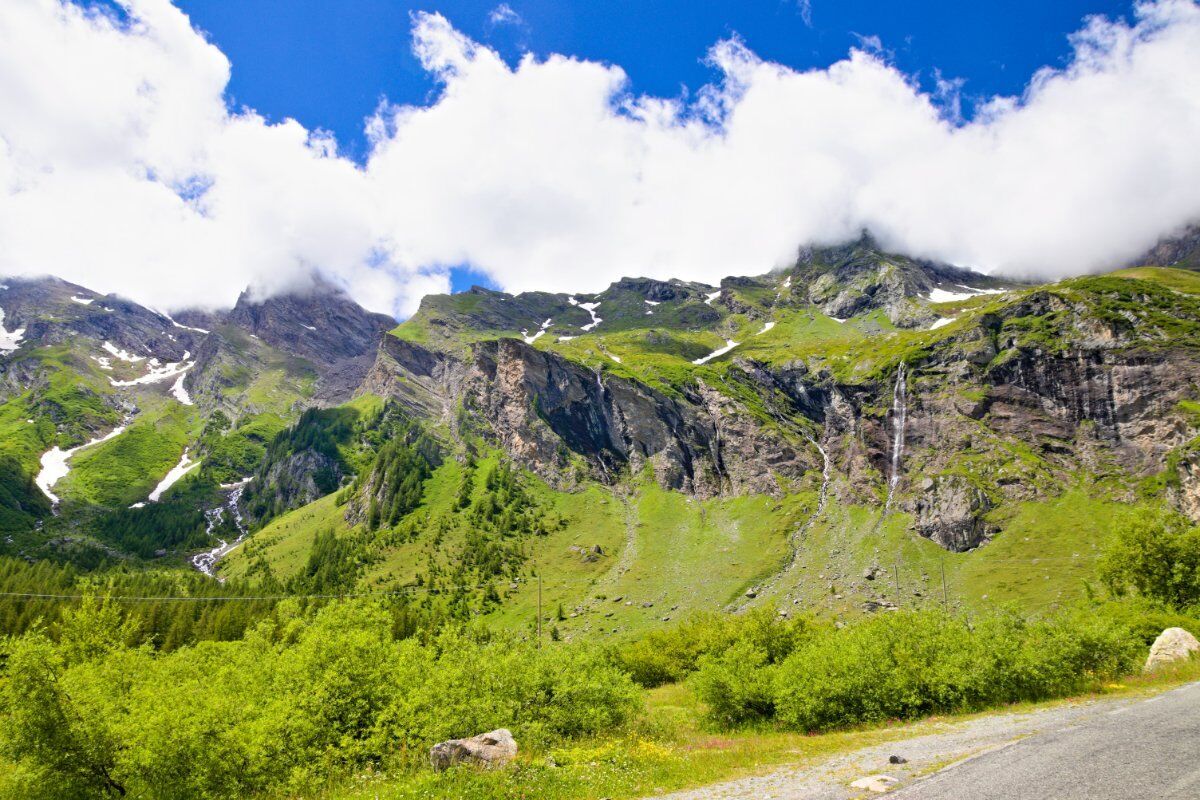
672	748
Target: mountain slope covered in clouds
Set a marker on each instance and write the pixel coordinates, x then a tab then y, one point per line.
777	440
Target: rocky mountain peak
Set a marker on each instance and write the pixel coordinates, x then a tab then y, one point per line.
321	323
859	276
1182	251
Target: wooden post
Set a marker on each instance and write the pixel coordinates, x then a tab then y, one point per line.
899	598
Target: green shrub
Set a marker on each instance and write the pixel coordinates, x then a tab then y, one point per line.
297	701
668	656
1156	552
736	678
907	665
737	685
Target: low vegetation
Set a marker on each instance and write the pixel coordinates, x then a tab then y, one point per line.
354	691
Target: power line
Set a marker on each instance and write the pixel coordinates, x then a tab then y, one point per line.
230	598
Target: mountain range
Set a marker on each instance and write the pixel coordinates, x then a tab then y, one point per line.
859	431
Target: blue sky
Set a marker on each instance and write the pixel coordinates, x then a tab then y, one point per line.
328	62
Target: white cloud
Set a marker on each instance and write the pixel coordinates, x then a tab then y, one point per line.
504	14
805	9
122	169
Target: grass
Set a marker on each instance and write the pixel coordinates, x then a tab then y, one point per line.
1181	280
653	545
1044	556
665	555
125	469
671	748
285	541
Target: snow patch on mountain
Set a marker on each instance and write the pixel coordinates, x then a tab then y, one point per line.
55	467
180	325
123	355
180	392
184	466
943	296
720	351
540	332
9	340
158	372
591	309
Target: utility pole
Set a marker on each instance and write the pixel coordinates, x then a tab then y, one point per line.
945	594
539	625
899	597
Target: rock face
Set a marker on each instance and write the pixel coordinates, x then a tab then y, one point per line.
1051	383
1181	251
493	749
320	324
950	512
1172	645
290	482
543	409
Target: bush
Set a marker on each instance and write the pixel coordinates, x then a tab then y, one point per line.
294	703
737	685
737	679
1156	552
907	665
668	656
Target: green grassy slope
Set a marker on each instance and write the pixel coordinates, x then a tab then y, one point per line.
125	469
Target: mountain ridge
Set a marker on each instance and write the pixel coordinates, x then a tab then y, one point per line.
942	405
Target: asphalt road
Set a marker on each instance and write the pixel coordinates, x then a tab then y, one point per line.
1107	748
1150	749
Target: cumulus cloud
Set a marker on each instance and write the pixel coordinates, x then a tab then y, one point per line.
122	168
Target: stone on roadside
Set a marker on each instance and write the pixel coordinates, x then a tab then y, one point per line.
493	749
875	783
1173	644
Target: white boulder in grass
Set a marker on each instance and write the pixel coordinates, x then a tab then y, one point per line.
1173	644
493	749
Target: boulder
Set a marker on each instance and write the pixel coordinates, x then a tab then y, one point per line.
493	749
1173	644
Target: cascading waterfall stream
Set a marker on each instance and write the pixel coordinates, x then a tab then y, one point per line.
899	417
206	562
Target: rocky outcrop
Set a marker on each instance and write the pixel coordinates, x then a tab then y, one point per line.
858	277
493	749
1185	495
290	482
1181	250
547	412
949	510
1172	645
543	408
319	322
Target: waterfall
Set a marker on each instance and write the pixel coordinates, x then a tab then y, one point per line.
206	562
899	415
